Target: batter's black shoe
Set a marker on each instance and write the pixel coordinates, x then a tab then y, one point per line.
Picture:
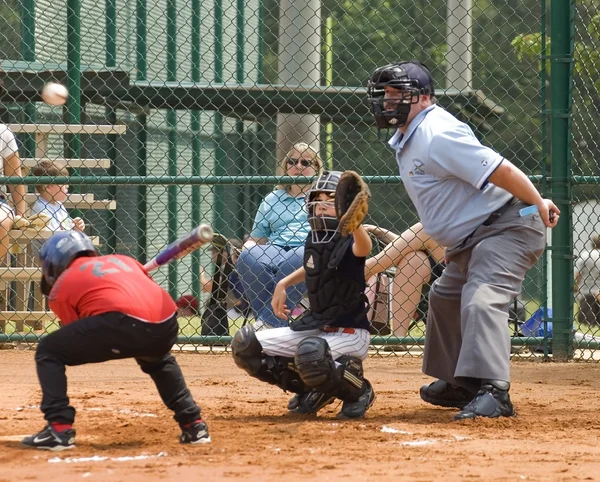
196	433
443	394
309	402
359	408
492	401
50	439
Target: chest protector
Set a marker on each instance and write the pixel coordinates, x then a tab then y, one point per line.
330	293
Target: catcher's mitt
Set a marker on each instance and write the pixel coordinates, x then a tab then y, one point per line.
39	221
20	222
351	201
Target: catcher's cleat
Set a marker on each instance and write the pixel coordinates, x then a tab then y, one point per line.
310	402
196	433
491	401
359	408
50	439
443	394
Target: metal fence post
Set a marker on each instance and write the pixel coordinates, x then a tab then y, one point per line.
561	91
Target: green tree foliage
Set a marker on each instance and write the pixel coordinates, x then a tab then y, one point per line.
529	48
10	29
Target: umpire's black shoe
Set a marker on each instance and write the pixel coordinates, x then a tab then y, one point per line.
492	401
50	439
309	402
443	394
195	433
359	408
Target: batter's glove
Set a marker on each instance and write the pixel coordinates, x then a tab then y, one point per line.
351	202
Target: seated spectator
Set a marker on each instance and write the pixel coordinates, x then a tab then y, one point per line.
587	284
416	270
188	305
237	304
51	197
275	248
10	165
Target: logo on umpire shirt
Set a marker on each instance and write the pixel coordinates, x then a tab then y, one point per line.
417	168
310	262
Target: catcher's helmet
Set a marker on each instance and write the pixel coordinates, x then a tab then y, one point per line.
323	228
412	78
59	251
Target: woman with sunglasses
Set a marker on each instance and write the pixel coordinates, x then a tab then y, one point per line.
275	248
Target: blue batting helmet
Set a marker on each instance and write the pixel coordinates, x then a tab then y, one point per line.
59	251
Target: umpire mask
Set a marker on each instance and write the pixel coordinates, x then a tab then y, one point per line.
410	79
321	210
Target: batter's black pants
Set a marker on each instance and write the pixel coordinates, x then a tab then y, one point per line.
112	336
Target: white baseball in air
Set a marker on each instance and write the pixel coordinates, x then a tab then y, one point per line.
54	94
206	233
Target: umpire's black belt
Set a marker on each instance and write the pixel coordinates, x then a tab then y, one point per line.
492	218
500	211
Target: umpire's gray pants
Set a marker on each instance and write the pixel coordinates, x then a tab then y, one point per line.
467	324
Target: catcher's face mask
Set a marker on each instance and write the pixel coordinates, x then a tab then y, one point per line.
394	88
321	209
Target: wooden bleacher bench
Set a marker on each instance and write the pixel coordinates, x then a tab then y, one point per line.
45	129
29	163
80	201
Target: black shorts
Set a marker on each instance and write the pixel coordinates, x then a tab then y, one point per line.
436	271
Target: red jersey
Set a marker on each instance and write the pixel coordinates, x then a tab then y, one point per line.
93	286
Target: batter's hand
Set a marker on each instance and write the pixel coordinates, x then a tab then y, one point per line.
278	302
549	213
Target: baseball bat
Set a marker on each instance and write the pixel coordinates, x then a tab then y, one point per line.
196	238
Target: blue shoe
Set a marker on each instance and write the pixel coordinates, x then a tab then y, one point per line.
50	439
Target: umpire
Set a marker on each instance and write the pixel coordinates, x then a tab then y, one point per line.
469	199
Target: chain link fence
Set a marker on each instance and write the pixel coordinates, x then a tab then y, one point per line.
207	101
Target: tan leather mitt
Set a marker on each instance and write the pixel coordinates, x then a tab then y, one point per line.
351	201
20	222
39	221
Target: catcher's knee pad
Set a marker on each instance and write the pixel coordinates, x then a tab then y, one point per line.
247	350
315	364
276	370
318	370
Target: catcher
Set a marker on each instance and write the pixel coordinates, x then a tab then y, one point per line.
319	357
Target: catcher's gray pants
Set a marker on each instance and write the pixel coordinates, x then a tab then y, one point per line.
467	324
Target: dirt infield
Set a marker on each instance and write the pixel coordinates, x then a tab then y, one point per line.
125	434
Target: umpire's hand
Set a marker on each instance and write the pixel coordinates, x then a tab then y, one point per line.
549	213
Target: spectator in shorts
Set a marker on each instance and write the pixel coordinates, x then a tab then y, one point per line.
10	165
587	284
275	248
414	275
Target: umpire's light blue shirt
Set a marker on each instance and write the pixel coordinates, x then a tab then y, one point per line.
445	170
282	219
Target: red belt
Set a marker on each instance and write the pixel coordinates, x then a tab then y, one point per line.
334	329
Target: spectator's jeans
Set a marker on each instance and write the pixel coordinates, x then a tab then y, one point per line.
260	268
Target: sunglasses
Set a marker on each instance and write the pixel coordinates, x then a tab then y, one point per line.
303	162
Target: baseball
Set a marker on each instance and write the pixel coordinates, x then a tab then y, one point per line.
55	94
